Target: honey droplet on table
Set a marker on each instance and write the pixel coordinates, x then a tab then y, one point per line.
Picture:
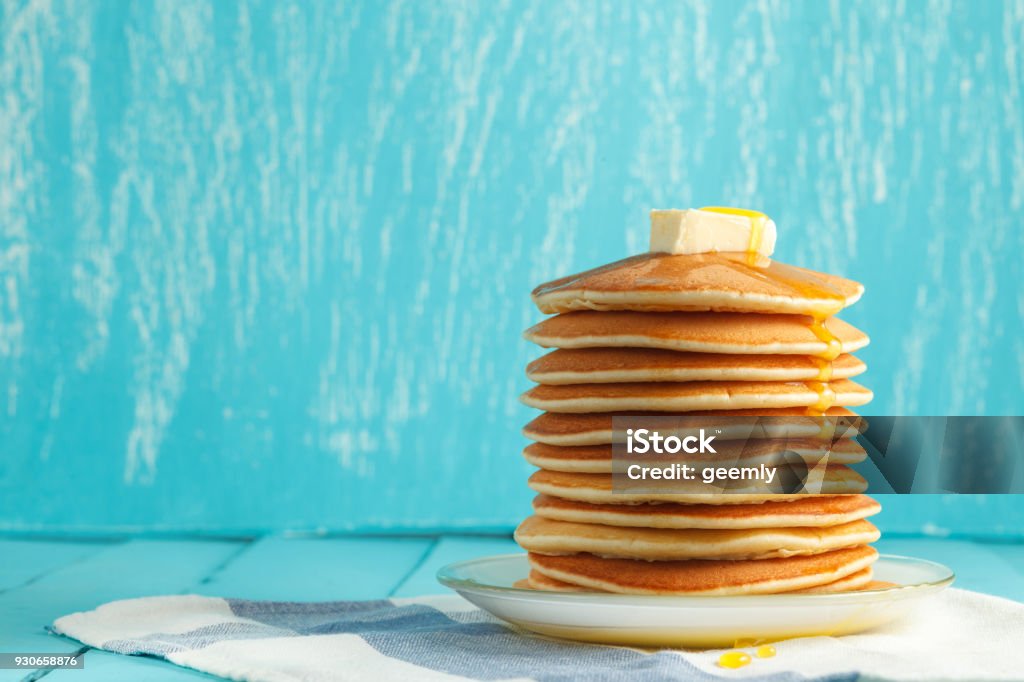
765	651
734	659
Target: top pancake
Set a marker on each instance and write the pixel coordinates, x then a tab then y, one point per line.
698	332
861	580
725	282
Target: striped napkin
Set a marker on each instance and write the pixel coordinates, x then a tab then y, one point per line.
957	635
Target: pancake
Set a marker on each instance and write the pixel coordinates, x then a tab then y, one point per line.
861	580
727	333
709	281
597	459
806	511
693	396
615	365
597	489
596	428
539	581
707	577
546	536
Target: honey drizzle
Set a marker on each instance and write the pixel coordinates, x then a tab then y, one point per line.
833	346
830	302
757	223
824	368
826	397
824	359
756	237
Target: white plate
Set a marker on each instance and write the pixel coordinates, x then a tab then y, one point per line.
643	620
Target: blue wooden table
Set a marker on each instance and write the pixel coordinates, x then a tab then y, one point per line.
41	579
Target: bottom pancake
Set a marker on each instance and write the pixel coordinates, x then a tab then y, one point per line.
538	581
707	577
860	580
855	581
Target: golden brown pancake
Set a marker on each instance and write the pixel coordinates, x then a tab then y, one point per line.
597	459
708	577
597	489
538	581
691	396
615	365
726	333
861	580
596	428
853	582
710	281
806	511
547	536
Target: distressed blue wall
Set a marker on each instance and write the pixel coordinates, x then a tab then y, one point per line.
265	265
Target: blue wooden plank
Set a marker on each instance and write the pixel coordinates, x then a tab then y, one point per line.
25	560
131	569
969	516
448	549
102	666
282	569
314	569
976	565
1011	554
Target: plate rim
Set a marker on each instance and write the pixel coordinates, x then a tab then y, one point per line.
444	577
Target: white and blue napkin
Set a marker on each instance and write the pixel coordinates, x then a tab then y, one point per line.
957	635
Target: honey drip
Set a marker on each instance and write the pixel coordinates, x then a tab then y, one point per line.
833	349
826	398
833	346
824	368
757	223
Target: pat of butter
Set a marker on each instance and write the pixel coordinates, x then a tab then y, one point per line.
710	230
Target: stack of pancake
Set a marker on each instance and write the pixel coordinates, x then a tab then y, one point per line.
697	337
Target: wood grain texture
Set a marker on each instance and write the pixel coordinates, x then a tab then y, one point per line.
265	265
120	571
